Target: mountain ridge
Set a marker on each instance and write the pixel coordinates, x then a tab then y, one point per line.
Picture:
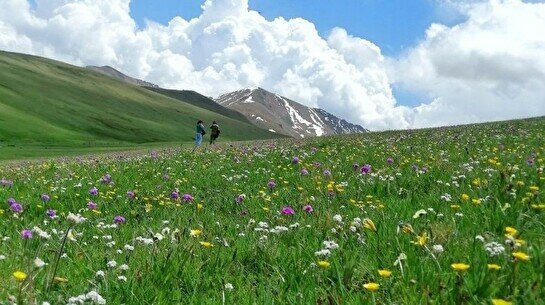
282	115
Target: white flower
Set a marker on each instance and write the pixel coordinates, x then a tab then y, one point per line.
124	267
419	213
43	234
2	257
494	248
479	238
75	218
158	236
438	249
111	264
39	263
128	247
45	303
229	287
100	274
122	278
323	252
338	218
95	297
330	245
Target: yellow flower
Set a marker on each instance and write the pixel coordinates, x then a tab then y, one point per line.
385	273
461	267
493	267
510	231
521	256
534	188
60	279
476	201
206	244
369	224
19	276
534	206
501	302
422	239
195	232
465	197
371	286
324	264
199	206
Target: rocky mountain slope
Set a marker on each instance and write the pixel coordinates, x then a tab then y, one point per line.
279	114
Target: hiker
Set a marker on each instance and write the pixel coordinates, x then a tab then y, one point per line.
200	132
215	132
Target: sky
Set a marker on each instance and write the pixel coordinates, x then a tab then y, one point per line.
393	64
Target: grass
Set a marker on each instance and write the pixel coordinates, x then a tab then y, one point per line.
446	197
51	104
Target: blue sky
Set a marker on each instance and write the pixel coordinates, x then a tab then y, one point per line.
393	25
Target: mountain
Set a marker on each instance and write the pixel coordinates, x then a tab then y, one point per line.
117	74
279	114
50	103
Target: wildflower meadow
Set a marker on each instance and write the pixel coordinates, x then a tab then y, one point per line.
436	216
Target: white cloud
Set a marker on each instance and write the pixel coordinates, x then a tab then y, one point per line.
490	67
484	68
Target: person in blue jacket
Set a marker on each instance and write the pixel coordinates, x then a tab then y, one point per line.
199	133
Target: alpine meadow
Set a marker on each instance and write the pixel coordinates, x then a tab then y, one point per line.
450	215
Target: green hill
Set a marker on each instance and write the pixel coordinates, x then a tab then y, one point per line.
47	104
200	101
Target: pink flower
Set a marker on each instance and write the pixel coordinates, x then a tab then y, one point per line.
308	208
287	210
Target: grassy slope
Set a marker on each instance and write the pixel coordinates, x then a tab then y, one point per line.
49	103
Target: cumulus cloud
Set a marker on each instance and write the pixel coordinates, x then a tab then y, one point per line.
480	69
489	67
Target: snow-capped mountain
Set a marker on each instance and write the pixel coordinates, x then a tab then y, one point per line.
279	114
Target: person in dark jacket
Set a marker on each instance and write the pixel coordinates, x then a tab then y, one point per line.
214	132
199	133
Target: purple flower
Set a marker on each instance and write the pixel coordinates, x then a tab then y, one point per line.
93	191
45	198
187	197
316	164
51	213
106	179
530	161
8	183
287	210
119	219
304	172
366	169
131	194
153	155
390	160
11	201
240	198
295	160
327	173
91	205
271	184
26	234
174	195
166	177
16	207
308	208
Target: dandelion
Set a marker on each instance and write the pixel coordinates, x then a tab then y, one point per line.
384	273
521	256
323	264
493	267
19	276
206	244
465	197
371	286
501	302
510	231
460	267
195	233
369	224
